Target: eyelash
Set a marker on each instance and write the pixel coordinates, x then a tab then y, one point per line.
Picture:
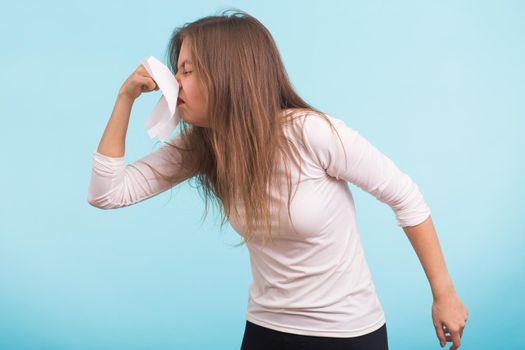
186	72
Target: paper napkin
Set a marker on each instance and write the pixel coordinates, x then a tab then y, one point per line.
164	117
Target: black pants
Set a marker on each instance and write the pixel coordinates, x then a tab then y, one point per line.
261	338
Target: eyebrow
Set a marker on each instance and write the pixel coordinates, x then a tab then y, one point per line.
184	63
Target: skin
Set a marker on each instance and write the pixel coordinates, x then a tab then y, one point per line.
449	315
191	90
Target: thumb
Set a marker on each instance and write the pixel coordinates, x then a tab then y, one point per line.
441	335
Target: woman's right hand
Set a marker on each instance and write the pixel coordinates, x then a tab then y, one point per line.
138	82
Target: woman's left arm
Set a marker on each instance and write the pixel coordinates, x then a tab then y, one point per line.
351	157
448	312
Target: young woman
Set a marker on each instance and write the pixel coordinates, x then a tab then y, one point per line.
279	170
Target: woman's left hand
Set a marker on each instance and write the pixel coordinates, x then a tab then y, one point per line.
449	316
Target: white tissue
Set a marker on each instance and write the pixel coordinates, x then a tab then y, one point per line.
164	117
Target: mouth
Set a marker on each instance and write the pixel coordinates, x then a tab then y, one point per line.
179	101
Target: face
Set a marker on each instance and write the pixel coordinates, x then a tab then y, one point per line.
191	90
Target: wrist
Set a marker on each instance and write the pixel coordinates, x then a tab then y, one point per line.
125	97
443	290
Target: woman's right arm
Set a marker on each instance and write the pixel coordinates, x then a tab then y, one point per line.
114	183
113	141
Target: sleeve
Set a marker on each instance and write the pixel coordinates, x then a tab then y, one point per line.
115	184
366	167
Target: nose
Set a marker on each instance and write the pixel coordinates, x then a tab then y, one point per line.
177	77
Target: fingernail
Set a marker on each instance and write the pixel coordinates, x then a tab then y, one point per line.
441	343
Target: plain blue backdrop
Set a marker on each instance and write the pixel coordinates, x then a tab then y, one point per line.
438	86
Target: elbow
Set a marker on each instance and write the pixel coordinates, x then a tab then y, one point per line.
413	215
411	209
96	204
414	220
101	203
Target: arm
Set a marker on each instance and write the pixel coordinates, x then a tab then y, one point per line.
115	184
447	308
347	155
424	239
112	143
355	159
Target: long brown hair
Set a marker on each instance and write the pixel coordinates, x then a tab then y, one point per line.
248	92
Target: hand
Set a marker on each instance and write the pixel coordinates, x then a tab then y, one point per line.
139	81
449	315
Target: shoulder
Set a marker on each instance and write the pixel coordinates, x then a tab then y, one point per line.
320	129
309	119
321	135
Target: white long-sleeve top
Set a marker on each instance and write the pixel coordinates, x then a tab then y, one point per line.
312	278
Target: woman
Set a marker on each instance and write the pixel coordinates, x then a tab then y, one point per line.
279	170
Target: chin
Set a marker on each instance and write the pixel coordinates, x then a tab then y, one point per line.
183	117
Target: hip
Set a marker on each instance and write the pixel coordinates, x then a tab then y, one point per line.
257	337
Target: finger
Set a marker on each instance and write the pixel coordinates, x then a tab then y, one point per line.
142	82
142	70
147	84
441	335
152	85
456	339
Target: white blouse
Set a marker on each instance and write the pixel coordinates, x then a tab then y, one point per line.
312	278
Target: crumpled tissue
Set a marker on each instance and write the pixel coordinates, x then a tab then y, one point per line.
164	117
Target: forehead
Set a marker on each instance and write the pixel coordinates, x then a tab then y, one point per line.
184	55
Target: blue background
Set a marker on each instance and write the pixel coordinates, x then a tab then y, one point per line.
438	86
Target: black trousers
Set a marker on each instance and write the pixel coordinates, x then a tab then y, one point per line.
261	338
